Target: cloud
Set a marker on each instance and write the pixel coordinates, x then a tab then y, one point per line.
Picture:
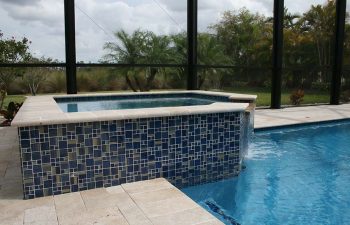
39	23
95	30
48	12
301	6
42	21
210	12
174	6
20	2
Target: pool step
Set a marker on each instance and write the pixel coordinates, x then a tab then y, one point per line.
216	209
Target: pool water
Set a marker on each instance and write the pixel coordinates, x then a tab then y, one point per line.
97	105
292	176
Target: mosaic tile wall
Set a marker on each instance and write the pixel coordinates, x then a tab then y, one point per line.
187	150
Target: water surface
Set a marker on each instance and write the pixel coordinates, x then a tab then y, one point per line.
98	105
292	176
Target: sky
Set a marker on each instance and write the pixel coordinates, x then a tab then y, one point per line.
42	21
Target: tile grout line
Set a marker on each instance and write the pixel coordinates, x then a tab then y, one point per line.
7	166
82	200
54	202
149	219
123	216
194	206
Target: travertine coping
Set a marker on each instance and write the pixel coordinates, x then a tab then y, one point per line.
43	110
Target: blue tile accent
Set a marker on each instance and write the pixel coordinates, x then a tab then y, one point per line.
187	150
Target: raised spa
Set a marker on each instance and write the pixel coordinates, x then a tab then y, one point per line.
79	142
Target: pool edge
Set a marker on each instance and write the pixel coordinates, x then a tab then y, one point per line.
300	125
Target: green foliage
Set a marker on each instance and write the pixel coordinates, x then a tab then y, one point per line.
138	48
308	42
322	86
345	96
102	79
210	52
34	77
10	112
14	98
11	51
3	95
247	37
56	82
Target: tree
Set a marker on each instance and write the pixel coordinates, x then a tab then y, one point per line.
210	52
319	23
179	54
11	51
34	77
296	44
247	40
244	36
309	42
139	48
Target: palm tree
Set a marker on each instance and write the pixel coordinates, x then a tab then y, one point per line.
141	47
179	53
210	52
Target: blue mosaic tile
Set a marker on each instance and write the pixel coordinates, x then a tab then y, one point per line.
186	150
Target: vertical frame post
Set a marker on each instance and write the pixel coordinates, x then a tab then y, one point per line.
338	52
192	32
71	69
277	54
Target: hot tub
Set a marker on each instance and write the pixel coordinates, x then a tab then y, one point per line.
79	142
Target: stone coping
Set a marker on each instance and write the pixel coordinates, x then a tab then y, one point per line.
44	110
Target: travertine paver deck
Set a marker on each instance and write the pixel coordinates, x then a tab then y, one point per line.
147	202
297	115
142	203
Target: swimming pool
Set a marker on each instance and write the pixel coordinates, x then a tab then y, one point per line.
292	176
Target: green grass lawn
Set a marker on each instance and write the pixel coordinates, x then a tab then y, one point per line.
13	98
264	96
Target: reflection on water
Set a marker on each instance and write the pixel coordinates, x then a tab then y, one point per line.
72	107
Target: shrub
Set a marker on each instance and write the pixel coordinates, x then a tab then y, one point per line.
267	84
297	97
33	78
10	112
345	96
17	87
55	83
3	95
88	82
237	84
322	86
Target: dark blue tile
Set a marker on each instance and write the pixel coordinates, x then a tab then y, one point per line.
25	143
24	135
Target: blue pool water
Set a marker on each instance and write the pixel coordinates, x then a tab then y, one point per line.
292	176
97	105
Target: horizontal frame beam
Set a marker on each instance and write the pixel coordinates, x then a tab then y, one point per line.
232	67
82	65
31	65
6	65
128	65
